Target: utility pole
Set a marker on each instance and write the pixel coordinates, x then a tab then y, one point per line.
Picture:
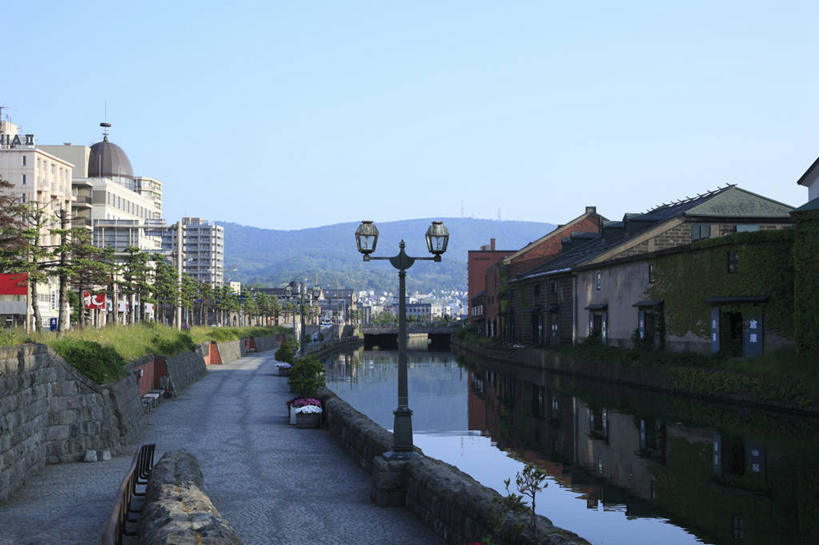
179	275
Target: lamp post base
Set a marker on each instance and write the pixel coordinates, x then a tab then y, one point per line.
389	485
402	432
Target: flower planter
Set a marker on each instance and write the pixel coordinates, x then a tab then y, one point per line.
292	412
283	371
308	420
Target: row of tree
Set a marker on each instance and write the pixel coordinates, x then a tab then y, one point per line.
139	276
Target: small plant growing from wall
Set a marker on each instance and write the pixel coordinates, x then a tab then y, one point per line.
529	483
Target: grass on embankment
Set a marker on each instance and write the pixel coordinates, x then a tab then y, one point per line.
101	354
783	376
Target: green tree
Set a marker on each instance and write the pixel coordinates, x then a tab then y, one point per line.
12	243
90	266
135	281
188	295
164	290
263	304
250	309
206	299
63	269
38	265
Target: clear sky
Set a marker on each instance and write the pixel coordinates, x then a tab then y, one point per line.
296	114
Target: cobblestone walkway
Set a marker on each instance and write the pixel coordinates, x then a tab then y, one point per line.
275	484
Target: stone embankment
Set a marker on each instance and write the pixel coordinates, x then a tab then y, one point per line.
450	502
50	413
718	385
177	510
323	348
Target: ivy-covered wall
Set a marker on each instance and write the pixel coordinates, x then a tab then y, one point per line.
806	280
684	280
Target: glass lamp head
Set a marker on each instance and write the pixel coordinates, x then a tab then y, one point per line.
366	237
437	238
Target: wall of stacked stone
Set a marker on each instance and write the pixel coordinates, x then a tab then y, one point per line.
267	342
186	368
325	347
229	351
448	501
361	437
50	413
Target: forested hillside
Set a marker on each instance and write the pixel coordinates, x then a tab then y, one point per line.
274	257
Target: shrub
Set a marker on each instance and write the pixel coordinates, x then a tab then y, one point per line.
306	376
286	352
171	345
99	363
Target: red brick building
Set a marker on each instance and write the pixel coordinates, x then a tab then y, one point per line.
549	245
478	261
503	314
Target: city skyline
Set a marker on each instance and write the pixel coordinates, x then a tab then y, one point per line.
289	117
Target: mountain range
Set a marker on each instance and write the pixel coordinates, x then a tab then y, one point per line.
271	257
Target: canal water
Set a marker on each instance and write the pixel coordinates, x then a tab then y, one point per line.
625	466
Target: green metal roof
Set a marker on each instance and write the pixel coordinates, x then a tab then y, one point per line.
810	205
736	202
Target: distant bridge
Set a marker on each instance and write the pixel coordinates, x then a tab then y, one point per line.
386	336
412	328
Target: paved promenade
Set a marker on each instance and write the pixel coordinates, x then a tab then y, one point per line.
274	483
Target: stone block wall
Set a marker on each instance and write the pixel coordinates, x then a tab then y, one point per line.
229	351
267	342
361	437
186	368
450	502
50	413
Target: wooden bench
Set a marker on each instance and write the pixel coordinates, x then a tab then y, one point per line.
120	527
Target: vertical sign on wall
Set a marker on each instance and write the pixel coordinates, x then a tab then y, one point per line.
641	317
752	337
714	330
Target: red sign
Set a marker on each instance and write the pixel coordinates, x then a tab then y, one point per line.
93	301
13	284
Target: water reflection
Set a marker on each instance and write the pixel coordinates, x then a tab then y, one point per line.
626	466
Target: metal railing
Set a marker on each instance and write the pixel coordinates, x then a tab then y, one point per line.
116	526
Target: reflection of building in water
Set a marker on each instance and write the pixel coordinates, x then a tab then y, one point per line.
726	485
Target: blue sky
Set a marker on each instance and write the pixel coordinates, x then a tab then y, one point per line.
296	114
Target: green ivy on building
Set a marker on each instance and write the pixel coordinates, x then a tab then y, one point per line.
806	277
685	279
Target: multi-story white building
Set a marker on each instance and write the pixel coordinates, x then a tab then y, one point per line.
121	209
203	249
42	181
151	189
38	178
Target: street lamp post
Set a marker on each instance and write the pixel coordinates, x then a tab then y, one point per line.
301	291
437	237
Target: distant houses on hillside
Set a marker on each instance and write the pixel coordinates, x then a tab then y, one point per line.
718	272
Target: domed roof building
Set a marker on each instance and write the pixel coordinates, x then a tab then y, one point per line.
108	160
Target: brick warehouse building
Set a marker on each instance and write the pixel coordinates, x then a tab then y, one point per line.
478	261
501	314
